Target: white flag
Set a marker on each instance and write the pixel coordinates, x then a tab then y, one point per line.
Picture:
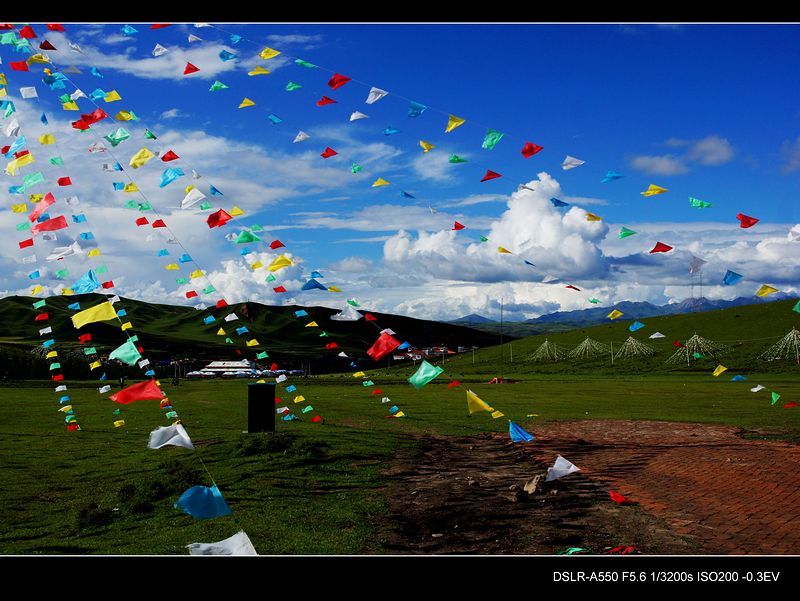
97	147
104	389
61	388
657	335
47	330
11	128
349	314
386	399
794	233
77	94
170	435
343	354
144	362
194	38
301	135
72	70
358	115
29	259
195	175
113	299
238	544
560	468
159	50
231	317
194	196
59	252
281	410
75	47
375	94
571	163
389	331
28	92
73	201
280	378
757	388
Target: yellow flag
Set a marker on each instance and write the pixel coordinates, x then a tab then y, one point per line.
95	252
172	267
36	197
20	208
592	217
95	365
126	326
653	189
3	79
140	158
221	332
312	324
37	58
246	102
36	289
66	291
765	291
280	262
256	265
452	123
131	187
197	273
119	423
399	414
334	289
124	116
235	212
65	408
497	414
614	314
258	71
189	188
299	398
47	139
3	92
102	312
426	146
113	96
252	342
474	403
267	53
380	182
719	370
70	106
500	249
359	374
25	159
51	354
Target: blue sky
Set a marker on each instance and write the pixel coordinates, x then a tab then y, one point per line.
708	111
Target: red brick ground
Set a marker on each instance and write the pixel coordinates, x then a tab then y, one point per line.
729	494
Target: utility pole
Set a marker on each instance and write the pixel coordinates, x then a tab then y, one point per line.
612	352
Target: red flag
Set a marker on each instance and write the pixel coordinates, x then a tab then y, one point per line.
84	338
41	206
453	384
331	345
329	152
108	284
370	317
316	419
618	498
159	223
86	120
790	405
169	156
5	149
159	25
51	225
573	287
458	226
6	26
21	153
26	243
377	391
80	124
55	27
321	102
530	149
746	221
45	45
19	66
278	400
621	550
678	344
142	221
190	68
58	377
490	175
71	427
27	32
279	289
337	81
42	317
191	294
164	403
660	247
273	367
276	244
64	181
384	345
221	303
218	219
141	391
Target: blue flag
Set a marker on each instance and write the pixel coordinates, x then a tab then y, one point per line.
301	313
558	203
731	277
203	503
636	325
170	175
313	284
518	434
86	283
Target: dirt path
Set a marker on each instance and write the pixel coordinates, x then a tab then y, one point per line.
698	489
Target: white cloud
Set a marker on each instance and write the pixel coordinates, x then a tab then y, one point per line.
790	152
286	39
659	165
355	265
711	150
171	113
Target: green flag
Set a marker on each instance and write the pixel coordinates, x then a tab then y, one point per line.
181	280
775	397
262	355
699	204
150	135
144	206
307	408
209	289
205	205
271	278
55	366
131	204
90	351
61	274
246	236
796	308
120	135
305	64
368	383
698	356
355	168
257	228
32	179
424	374
101	269
624	233
217	85
56	161
454	158
126	352
291	86
491	139
23	226
40	304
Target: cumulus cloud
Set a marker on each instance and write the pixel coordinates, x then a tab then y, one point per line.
709	151
170	114
790	152
659	165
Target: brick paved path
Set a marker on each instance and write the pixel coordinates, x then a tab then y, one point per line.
731	495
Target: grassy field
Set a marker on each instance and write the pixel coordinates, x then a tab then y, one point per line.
311	488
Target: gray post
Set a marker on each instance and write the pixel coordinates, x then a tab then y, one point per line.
260	407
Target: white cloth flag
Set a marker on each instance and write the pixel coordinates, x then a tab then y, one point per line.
281	410
375	94
389	331
75	48
281	378
571	162
77	94
104	389
159	50
29	259
349	314
757	388
73	201
238	544
28	92
231	317
358	115
59	252
657	335
169	435
301	135
97	147
560	468
192	197
144	362
343	354
696	264
11	128
386	399
61	388
47	330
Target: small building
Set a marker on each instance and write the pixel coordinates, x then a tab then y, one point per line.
221	367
